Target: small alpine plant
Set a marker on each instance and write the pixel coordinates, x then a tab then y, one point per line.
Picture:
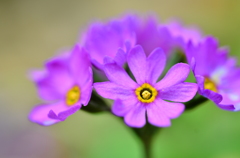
142	65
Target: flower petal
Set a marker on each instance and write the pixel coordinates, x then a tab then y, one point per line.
105	39
59	76
150	35
137	63
215	97
155	64
49	114
136	117
182	92
80	66
120	57
48	81
118	75
228	107
159	112
113	91
177	74
45	88
86	92
207	50
120	107
63	115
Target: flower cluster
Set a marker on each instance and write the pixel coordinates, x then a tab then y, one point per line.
132	53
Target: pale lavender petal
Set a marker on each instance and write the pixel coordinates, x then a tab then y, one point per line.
230	95
118	75
121	108
113	91
137	63
136	117
59	112
177	74
160	112
155	65
182	92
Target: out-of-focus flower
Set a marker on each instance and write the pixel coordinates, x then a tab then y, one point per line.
134	99
183	35
115	38
112	39
215	73
66	84
150	34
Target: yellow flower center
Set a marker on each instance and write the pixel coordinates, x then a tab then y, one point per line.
146	93
209	84
73	95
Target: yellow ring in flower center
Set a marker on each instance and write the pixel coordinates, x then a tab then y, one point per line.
209	84
73	95
146	93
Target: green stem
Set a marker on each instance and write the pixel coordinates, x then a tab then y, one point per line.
147	144
146	134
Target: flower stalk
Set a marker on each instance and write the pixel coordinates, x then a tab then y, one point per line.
146	135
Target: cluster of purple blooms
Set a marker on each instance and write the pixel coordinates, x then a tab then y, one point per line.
130	54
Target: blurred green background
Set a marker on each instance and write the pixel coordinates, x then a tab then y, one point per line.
32	31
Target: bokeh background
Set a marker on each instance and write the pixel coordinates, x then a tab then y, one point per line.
32	31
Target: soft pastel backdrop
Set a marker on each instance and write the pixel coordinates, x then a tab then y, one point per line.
32	31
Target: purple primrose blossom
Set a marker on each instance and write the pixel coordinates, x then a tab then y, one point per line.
216	73
150	34
181	35
146	96
115	38
112	39
66	84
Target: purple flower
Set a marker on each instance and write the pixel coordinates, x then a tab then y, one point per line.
150	34
216	74
112	39
115	38
133	100
66	84
182	35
